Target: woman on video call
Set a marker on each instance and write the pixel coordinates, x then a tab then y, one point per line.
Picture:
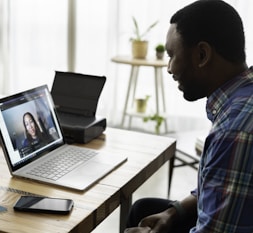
34	137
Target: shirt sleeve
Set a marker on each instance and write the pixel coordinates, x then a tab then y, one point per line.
225	201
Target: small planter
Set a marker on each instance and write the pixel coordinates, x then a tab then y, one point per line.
139	43
141	105
159	55
139	49
160	49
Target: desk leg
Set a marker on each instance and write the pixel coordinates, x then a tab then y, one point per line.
124	210
171	169
131	88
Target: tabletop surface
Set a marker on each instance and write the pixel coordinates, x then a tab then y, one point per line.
146	154
152	61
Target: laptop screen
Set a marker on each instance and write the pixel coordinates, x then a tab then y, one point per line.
29	127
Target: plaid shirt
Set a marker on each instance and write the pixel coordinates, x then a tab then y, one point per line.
225	180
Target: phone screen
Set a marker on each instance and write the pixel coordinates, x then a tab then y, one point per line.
44	205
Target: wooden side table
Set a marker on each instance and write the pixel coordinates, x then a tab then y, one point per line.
135	64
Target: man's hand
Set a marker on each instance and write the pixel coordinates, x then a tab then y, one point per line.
165	221
160	222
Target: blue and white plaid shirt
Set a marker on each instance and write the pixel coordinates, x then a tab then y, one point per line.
225	180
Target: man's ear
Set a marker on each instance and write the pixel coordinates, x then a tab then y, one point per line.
204	53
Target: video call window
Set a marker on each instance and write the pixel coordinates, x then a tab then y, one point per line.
30	126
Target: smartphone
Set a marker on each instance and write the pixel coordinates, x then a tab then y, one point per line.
44	205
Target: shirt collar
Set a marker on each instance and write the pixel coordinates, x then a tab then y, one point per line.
216	100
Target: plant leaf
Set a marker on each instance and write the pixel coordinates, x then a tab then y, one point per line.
148	29
137	33
136	29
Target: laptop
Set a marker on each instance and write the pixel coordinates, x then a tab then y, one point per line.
32	141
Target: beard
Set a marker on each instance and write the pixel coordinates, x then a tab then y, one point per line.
192	90
193	95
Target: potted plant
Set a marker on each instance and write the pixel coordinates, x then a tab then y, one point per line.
141	104
139	44
157	118
160	49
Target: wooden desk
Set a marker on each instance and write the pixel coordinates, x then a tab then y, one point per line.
146	154
158	65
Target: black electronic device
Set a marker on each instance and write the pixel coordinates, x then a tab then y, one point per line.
44	205
81	129
76	98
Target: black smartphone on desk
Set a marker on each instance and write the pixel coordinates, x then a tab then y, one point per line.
44	205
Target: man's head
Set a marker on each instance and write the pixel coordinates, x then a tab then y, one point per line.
205	41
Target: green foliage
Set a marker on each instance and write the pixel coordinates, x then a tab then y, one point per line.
160	48
158	119
137	33
147	97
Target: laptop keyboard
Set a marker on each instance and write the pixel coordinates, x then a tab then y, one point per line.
62	164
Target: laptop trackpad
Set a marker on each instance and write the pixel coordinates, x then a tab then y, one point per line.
93	169
87	174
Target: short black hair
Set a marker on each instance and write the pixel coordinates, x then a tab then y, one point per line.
215	22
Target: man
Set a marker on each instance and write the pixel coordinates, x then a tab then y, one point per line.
206	46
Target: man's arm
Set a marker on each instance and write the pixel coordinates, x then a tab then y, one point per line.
168	218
